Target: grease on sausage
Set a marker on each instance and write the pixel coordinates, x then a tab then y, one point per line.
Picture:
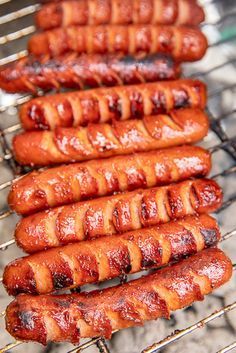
107	104
102	259
90	12
116	214
80	71
71	317
182	43
66	184
66	145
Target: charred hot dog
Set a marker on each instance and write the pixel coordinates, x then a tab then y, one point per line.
107	104
70	317
110	257
66	145
90	12
66	184
182	43
116	214
81	71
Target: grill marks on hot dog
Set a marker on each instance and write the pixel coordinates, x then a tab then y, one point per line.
116	214
105	105
66	13
182	43
70	317
106	258
81	71
103	140
66	184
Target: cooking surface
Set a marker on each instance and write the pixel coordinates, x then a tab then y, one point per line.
221	102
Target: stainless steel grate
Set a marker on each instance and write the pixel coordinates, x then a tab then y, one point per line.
218	72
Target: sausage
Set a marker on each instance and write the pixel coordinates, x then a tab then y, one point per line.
80	71
65	145
183	43
102	259
70	317
83	12
107	104
40	190
116	214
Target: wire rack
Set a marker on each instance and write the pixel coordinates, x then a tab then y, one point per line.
221	141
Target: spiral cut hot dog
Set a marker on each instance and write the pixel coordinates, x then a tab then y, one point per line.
183	43
58	186
116	214
70	317
96	12
106	258
80	71
106	104
65	145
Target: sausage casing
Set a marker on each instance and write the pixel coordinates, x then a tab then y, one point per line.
66	145
90	12
116	214
81	71
110	257
107	104
56	318
66	184
182	43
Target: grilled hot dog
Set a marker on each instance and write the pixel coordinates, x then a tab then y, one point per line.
106	104
116	214
90	12
65	145
183	43
80	71
58	186
70	317
103	259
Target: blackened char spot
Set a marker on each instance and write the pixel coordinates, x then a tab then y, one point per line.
114	105
159	102
181	98
210	236
136	105
61	280
27	319
37	115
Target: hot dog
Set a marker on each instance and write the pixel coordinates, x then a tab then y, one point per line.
107	104
116	214
66	184
183	43
70	317
66	145
81	71
82	12
102	259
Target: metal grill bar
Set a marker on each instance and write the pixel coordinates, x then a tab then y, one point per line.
28	10
17	35
181	333
228	348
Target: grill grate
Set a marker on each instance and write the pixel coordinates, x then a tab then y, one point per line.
226	144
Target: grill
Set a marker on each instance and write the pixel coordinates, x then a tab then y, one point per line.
217	69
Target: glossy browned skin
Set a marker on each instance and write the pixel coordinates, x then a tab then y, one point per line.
102	259
97	12
108	104
81	71
62	318
65	145
116	214
183	43
66	184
